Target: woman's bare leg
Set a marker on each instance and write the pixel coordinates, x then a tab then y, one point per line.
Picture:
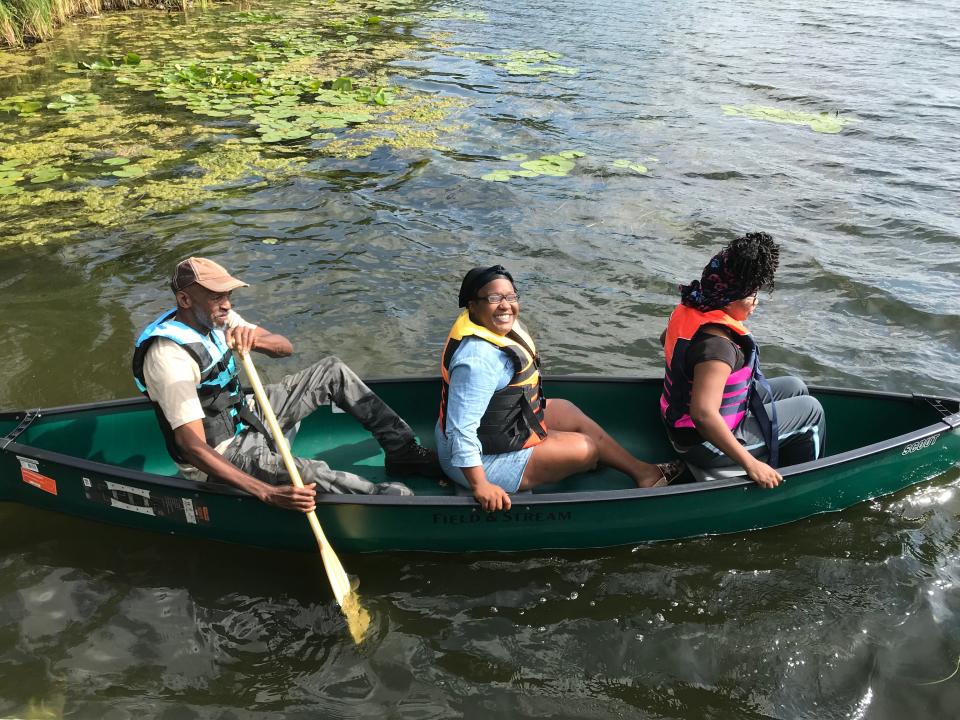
564	416
560	455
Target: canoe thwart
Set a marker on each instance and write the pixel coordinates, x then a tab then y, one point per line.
28	418
949	416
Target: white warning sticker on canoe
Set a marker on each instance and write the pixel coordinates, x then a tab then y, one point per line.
117	487
143	509
189	512
28	463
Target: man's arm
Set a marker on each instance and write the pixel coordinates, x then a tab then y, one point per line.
191	441
246	338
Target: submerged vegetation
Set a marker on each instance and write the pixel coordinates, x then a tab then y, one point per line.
558	164
523	62
818	122
153	113
164	124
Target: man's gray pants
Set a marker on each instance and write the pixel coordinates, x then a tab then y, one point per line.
298	395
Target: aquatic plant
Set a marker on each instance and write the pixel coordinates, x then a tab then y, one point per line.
630	165
523	62
553	165
818	122
446	14
249	110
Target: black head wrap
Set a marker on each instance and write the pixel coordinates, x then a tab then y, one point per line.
477	278
738	271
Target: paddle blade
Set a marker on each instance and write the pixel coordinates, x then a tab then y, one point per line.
358	619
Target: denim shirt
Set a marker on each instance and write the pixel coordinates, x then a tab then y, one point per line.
477	370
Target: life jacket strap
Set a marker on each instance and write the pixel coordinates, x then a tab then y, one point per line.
769	425
535	423
250	418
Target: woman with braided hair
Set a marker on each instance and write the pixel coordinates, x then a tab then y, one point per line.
718	408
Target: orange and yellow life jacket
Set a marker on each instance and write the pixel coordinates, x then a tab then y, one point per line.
514	416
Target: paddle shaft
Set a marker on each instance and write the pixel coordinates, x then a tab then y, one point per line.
339	581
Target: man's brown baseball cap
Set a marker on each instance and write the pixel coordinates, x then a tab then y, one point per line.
205	273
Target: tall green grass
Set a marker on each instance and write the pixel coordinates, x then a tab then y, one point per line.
25	21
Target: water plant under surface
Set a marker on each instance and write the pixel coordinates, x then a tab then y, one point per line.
818	122
169	122
558	164
523	62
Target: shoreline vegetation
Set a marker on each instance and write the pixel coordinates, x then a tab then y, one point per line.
23	22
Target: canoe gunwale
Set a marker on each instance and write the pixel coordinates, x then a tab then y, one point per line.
550	379
948	423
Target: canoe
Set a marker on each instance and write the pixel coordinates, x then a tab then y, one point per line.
106	462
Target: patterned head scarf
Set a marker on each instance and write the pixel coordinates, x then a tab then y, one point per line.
718	285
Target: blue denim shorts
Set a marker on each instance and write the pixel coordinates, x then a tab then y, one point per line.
504	470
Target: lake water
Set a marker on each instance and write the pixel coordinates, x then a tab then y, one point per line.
853	615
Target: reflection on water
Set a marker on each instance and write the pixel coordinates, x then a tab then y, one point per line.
837	616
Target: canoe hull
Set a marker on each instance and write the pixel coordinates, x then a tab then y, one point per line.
454	524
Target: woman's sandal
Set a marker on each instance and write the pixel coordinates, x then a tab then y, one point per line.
669	472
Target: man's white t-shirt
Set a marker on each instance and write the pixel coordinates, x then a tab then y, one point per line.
171	376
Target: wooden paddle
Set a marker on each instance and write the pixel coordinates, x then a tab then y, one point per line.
358	620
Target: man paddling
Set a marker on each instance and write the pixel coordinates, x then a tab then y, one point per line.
183	362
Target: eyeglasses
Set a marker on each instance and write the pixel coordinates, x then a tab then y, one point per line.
497	298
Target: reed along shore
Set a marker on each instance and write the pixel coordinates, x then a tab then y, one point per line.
28	21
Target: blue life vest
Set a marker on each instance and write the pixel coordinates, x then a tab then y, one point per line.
225	412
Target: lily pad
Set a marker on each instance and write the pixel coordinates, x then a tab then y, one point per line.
630	165
130	171
29	107
10	190
116	161
46	173
553	165
818	122
497	176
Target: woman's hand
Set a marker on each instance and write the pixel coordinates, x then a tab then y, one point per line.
491	497
763	475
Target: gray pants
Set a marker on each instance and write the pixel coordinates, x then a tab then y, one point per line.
802	422
295	397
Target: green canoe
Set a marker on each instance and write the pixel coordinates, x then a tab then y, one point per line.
106	462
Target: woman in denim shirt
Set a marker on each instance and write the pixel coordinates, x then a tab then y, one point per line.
495	434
